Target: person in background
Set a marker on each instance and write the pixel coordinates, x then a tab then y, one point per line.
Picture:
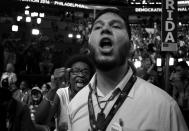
180	68
35	99
46	65
36	96
25	92
115	99
147	71
66	82
14	115
179	80
12	78
45	88
9	52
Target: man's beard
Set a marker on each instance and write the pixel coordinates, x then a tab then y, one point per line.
106	65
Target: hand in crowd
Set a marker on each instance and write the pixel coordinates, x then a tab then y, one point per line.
60	77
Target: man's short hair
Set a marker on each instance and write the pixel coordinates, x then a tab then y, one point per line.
120	13
80	58
182	64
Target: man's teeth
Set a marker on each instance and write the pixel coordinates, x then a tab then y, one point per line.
106	46
106	40
80	81
80	84
106	43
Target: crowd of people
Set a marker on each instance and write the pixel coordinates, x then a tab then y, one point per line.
80	95
75	75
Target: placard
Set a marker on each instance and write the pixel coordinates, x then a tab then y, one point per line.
169	25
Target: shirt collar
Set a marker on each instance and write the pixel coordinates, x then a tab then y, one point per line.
120	85
125	80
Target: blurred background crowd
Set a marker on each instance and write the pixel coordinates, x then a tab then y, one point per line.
27	62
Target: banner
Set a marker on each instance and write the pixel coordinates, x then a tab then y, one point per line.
169	25
56	2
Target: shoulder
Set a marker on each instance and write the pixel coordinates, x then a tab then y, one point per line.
82	94
62	90
155	100
63	94
151	92
78	105
80	99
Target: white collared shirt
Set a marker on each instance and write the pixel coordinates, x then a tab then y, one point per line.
147	107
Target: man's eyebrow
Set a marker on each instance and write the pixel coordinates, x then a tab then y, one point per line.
98	22
117	21
111	22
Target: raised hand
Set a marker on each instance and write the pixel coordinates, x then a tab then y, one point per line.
60	77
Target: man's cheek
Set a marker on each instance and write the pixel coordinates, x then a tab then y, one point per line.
90	39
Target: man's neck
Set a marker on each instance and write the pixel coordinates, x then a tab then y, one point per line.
107	81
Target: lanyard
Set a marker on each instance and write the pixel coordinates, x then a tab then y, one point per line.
100	124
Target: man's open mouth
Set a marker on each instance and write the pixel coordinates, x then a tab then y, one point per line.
106	43
80	83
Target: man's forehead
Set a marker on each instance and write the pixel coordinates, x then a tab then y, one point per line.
109	14
81	65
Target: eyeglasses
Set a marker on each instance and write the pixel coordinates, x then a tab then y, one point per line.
78	71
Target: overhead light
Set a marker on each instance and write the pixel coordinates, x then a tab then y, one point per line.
158	62
19	18
34	14
28	19
70	35
38	20
187	63
27	7
180	59
171	61
137	64
27	12
35	32
41	14
140	58
15	28
78	36
180	24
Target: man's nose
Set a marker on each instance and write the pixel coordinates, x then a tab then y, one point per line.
80	74
106	30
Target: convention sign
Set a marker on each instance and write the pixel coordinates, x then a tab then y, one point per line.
56	2
169	25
